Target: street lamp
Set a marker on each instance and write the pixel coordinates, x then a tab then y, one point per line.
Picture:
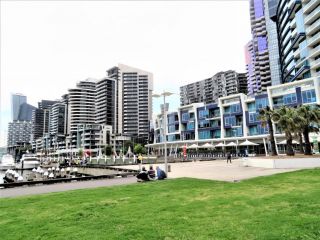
164	94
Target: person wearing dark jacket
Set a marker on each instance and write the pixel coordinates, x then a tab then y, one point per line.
143	175
161	174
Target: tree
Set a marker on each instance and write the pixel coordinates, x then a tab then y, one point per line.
265	116
139	149
80	153
107	150
310	122
286	120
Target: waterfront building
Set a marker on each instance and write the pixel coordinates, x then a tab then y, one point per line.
298	27
210	89
19	133
106	102
81	104
134	101
57	119
234	119
40	119
261	53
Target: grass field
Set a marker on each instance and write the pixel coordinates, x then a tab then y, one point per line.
283	206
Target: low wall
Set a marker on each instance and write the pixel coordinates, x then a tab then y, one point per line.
283	163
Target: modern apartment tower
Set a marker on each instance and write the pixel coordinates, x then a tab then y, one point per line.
106	102
261	52
57	119
209	90
40	119
19	133
134	100
298	27
16	101
81	104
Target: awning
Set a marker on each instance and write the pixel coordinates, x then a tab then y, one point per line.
248	143
193	146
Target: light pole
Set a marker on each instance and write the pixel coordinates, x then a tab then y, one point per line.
164	94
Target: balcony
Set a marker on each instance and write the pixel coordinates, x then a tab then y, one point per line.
297	40
309	7
313	15
313	28
293	7
314	52
314	40
315	64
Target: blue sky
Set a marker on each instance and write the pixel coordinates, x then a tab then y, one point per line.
53	44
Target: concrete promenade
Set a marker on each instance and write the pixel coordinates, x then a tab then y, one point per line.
61	187
213	170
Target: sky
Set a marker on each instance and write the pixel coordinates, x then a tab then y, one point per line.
48	46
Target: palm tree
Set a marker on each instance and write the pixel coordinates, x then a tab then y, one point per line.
286	120
311	116
265	116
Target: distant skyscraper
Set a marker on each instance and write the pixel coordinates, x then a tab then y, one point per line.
16	101
134	99
261	52
209	90
57	119
298	27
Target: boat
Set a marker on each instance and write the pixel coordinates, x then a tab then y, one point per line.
7	162
28	161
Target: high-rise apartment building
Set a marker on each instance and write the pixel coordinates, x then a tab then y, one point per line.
40	119
81	104
106	102
261	52
20	109
57	119
19	133
210	89
16	101
134	100
298	27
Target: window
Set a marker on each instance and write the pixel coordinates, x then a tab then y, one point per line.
185	116
261	103
204	135
253	117
230	121
203	113
253	131
309	96
203	124
252	107
290	98
190	126
172	128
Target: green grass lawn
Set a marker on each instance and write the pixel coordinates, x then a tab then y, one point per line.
283	206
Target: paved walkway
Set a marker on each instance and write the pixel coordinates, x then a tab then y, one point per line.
213	170
60	187
216	170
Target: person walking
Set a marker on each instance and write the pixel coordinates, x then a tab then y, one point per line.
228	157
139	160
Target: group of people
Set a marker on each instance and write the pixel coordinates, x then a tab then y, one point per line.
151	174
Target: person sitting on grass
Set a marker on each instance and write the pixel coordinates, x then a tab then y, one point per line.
161	175
143	175
151	173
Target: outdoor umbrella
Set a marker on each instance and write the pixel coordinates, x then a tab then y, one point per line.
220	145
285	142
207	145
248	143
193	146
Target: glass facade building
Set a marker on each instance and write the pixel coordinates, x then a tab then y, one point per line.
262	58
298	27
